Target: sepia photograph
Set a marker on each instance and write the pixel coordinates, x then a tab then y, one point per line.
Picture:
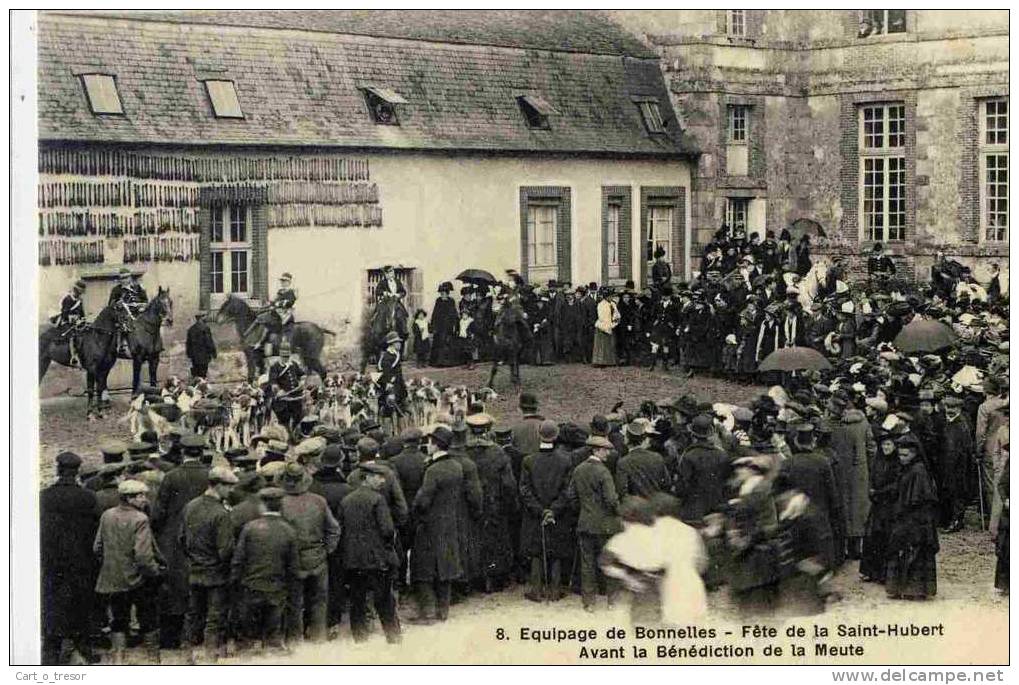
511	337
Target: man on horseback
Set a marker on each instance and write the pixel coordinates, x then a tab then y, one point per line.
390	292
128	298
392	388
70	319
278	318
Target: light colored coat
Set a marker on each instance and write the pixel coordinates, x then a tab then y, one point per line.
853	444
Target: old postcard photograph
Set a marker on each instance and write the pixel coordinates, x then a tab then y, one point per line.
511	337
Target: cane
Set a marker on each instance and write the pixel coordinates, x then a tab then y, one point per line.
980	491
544	563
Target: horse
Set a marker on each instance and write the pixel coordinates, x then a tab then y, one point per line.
97	352
387	315
144	339
306	339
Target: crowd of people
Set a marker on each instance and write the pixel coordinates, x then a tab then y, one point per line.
172	544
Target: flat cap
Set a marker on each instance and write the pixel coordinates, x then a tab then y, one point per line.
480	420
132	487
599	442
411	434
503	431
250	482
192	441
68	460
367	446
235	452
635	428
139	447
113	447
222	474
272	493
373	467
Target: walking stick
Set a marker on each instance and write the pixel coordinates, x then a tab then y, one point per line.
980	491
544	564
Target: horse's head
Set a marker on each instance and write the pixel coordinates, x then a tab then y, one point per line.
231	308
162	306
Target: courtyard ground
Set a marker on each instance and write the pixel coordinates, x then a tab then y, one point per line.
974	615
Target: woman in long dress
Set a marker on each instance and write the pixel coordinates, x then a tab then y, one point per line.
604	353
884	489
913	539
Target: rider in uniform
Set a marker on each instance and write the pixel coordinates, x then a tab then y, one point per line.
392	289
286	377
281	311
661	270
72	315
129	297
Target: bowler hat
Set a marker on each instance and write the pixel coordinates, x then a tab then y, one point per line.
702	426
68	460
79	284
441	436
332	455
528	401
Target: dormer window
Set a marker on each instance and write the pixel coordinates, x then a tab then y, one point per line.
536	110
651	113
382	105
223	96
101	91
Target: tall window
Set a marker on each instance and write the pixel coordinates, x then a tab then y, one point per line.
882	22
542	226
736	211
660	220
613	213
736	22
230	250
883	172
994	170
738	116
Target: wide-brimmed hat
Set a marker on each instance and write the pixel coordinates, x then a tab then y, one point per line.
391	337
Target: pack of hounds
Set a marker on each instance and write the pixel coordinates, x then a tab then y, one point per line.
232	416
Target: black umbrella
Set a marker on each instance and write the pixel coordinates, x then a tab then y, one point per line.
802	227
925	335
477	276
794	359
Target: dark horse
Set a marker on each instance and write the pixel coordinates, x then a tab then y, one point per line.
97	347
388	314
306	338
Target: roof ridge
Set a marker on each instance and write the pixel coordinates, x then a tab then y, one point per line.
191	18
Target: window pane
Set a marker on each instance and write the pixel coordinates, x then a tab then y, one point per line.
225	104
738	123
102	94
896	21
216	233
737	22
238	224
541	235
612	239
996	194
239	271
652	114
216	269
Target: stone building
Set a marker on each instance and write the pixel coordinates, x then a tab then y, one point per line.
212	151
887	125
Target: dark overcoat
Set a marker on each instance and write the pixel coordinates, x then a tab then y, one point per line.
469	515
199	346
369	537
436	554
702	482
183	484
811	474
592	492
67	527
410	471
544	479
498	503
642	473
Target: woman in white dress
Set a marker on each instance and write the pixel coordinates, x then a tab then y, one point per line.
604	353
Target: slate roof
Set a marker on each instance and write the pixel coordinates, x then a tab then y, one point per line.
302	87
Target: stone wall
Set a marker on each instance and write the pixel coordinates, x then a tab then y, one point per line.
807	72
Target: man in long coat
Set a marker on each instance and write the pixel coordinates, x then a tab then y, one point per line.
853	444
510	334
704	473
498	502
183	484
544	479
468	514
952	464
67	526
593	493
435	560
200	347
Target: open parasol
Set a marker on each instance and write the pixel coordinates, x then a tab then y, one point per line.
925	335
794	359
476	276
